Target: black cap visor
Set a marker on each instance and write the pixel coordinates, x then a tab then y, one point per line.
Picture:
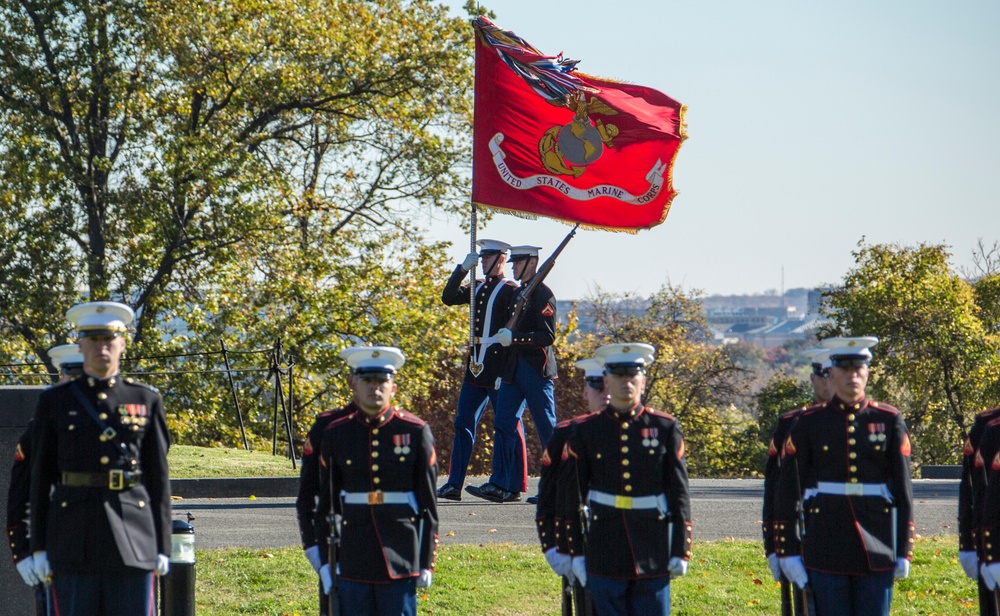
849	361
623	369
376	374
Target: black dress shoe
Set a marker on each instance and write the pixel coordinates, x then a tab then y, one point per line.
532	500
449	492
493	493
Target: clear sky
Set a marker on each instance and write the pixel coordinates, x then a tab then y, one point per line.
810	126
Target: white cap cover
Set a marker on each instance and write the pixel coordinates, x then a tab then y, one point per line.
628	353
65	354
100	318
371	359
592	368
492	246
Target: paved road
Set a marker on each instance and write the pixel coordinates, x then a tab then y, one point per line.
720	508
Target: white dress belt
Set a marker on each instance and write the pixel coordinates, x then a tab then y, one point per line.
848	489
657	501
379	497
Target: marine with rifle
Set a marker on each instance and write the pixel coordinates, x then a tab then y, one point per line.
376	519
820	382
972	552
633	486
844	506
528	377
558	494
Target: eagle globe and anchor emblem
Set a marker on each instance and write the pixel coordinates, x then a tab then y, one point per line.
567	150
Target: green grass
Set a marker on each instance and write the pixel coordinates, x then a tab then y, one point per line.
187	462
725	577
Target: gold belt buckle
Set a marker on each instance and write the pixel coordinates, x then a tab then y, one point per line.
116	479
854	489
376	498
623	502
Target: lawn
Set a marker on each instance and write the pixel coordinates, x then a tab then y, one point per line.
187	462
725	577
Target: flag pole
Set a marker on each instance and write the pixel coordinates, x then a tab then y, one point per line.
472	247
472	285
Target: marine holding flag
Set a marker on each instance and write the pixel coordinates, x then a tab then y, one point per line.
550	141
494	298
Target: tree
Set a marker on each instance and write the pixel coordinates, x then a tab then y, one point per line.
936	358
241	172
705	387
781	394
147	145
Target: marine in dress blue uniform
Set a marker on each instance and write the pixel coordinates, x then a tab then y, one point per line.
68	362
558	491
847	463
971	494
494	298
378	472
629	460
100	493
821	395
309	488
986	464
528	378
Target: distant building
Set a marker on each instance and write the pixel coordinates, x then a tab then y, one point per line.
764	320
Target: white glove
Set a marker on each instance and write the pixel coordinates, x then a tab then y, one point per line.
504	336
312	555
774	564
424	581
987	575
562	564
795	571
162	564
902	568
677	567
579	568
326	579
970	563
42	569
470	261
26	567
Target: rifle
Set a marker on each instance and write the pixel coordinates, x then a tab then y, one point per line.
41	599
332	555
786	597
525	295
567	597
805	602
333	549
581	598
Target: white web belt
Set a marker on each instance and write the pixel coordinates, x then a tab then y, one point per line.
379	497
658	501
848	489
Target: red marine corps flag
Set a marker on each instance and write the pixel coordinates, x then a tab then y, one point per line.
549	141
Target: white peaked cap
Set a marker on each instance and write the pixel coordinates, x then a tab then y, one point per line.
65	354
850	347
822	357
637	353
492	245
373	359
110	317
529	251
592	368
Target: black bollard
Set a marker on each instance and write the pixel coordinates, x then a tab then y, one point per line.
177	586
